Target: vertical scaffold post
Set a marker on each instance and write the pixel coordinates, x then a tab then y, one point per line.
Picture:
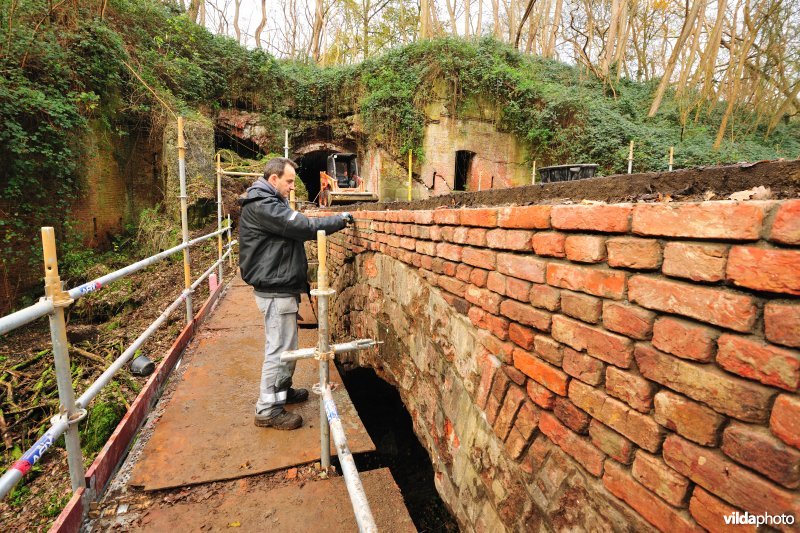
187	275
671	153
533	173
410	161
219	215
630	159
58	336
323	293
230	255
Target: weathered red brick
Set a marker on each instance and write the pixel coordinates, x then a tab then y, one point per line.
463	272
715	306
518	289
581	366
448	251
496	325
684	339
786	227
753	359
707	220
637	427
508	411
736	485
610	442
549	243
710	512
515	375
689	419
426	247
489	365
765	270
628	320
486	299
515	444
521	266
447	216
436	233
576	446
585	248
581	306
631	252
452	285
785	420
630	388
545	296
521	336
608	347
478	277
755	447
525	314
595	281
527	419
698	262
509	239
449	268
723	392
607	218
548	349
480	258
423	217
541	396
651	472
541	372
571	416
484	217
644	502
782	323
527	217
496	282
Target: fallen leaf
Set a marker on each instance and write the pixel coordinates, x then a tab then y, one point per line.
708	195
235	524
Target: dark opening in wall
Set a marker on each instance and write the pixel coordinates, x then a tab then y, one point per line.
390	427
242	147
463	169
311	164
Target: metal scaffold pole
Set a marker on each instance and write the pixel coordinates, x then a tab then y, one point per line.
322	292
187	275
219	215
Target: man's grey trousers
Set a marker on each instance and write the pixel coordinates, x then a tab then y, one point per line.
280	326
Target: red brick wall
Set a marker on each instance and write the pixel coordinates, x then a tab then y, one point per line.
654	344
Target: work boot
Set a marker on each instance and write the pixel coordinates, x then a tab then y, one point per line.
283	420
296	395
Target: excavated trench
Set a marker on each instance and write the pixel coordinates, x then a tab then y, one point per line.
390	427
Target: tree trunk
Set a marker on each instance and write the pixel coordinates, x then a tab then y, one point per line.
236	29
550	49
260	27
316	31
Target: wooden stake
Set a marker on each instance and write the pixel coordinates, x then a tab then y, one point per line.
630	159
671	152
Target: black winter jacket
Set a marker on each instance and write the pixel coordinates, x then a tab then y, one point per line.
272	257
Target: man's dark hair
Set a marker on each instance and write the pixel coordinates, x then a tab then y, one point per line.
277	165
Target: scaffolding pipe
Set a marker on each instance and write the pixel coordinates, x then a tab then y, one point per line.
219	215
322	292
230	243
24	316
248	174
210	270
187	275
308	353
366	523
410	161
23	465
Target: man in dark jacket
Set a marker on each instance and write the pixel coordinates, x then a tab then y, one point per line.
272	258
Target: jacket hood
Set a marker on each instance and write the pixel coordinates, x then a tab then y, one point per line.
261	188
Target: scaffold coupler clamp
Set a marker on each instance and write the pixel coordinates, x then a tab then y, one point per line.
316	388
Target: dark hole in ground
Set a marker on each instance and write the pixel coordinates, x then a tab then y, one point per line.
390	427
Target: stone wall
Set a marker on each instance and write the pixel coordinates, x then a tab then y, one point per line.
592	367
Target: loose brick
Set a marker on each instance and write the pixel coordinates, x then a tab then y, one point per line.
548	349
581	306
541	372
526	314
753	359
478	277
496	282
710	512
585	368
786	228
521	336
755	447
628	320
651	472
707	220
644	502
423	217
630	388
509	239
518	289
487	300
576	446
541	396
447	216
736	485
528	217
595	281
610	442
637	427
765	270
606	218
545	296
782	323
549	243
785	420
508	412
698	262
723	392
585	248
689	419
521	266
684	339
715	306
630	252
608	347
571	416
448	251
486	218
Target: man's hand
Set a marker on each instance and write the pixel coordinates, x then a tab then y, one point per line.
348	218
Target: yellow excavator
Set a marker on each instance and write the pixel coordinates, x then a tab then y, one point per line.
341	183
